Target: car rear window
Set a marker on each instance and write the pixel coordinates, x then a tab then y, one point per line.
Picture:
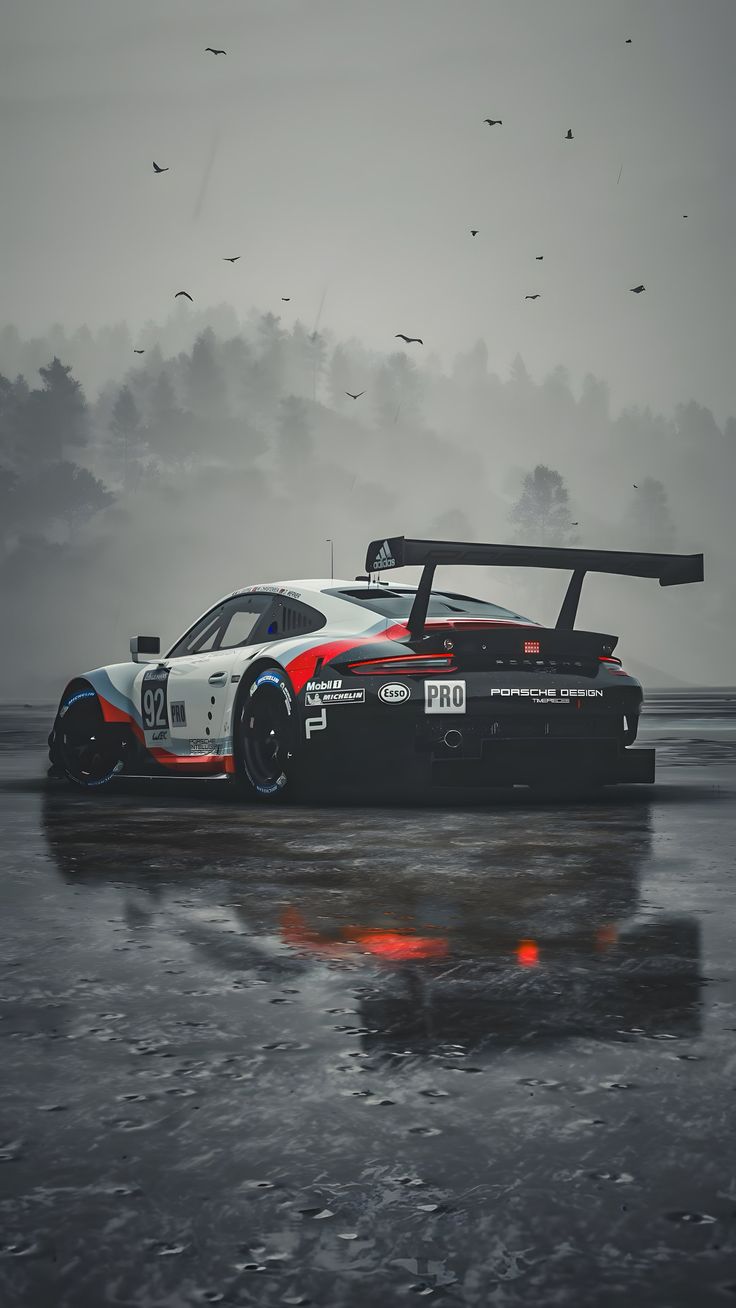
396	603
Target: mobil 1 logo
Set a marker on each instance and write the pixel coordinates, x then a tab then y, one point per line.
444	696
153	699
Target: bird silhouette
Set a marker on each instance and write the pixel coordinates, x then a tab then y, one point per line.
569	136
532	297
139	351
574	524
209	49
637	290
474	231
494	122
538	256
156	168
355	397
684	215
230	258
286	298
410	340
628	41
635	485
189	297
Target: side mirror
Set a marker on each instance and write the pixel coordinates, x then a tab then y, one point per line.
144	645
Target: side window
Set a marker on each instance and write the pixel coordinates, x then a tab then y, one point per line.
241	621
225	627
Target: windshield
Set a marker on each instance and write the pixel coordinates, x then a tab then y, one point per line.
396	603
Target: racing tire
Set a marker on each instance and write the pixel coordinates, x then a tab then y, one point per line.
266	738
84	748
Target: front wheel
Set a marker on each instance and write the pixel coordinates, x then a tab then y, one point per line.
265	738
83	747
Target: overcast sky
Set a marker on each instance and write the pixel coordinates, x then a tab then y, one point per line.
340	146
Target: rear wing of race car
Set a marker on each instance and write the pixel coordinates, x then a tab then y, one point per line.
401	552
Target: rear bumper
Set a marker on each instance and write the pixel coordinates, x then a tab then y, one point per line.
465	754
575	730
545	763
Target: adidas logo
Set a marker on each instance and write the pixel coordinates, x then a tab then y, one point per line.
384	558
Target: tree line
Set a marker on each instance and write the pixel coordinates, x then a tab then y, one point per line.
251	439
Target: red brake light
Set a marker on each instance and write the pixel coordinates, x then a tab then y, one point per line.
410	665
613	665
532	647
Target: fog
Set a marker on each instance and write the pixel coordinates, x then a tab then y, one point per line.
234	460
340	151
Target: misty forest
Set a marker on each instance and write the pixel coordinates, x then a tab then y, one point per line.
135	494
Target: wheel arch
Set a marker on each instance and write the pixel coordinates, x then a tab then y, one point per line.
75	686
262	663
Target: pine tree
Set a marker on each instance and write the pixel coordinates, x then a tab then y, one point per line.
542	513
295	437
125	425
649	522
340	379
204	380
55	417
169	429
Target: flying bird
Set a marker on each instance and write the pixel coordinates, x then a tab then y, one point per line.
635	485
569	136
211	50
684	215
637	290
189	297
156	168
410	340
574	524
230	258
538	256
628	41
532	297
286	298
355	397
474	231
494	122
139	351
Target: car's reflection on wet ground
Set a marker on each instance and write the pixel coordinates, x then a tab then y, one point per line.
367	1055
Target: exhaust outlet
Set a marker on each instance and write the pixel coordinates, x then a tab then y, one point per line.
453	739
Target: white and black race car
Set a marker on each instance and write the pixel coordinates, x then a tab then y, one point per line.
300	685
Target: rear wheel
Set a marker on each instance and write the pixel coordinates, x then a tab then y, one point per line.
84	748
265	738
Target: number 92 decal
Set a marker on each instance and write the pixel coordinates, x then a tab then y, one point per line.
153	699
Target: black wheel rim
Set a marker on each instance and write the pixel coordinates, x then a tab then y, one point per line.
90	754
266	738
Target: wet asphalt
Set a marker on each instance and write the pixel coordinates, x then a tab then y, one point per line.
479	1054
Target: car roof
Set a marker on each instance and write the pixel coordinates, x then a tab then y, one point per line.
317	585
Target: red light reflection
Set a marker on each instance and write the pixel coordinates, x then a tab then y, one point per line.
396	946
527	953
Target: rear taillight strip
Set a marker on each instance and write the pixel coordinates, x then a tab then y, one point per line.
411	665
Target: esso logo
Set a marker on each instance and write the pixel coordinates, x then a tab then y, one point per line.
394	693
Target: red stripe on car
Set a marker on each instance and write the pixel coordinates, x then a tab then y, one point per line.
302	668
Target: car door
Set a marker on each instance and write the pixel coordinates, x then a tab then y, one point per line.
183	699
